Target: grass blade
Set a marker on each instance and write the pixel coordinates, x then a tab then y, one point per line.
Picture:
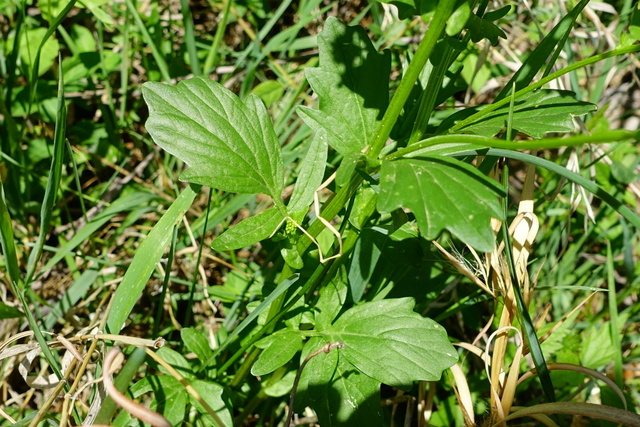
144	261
8	245
282	287
162	64
523	312
190	38
614	323
212	56
53	181
617	205
541	54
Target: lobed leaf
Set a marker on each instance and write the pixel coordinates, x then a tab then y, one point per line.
228	144
535	114
443	193
351	84
388	341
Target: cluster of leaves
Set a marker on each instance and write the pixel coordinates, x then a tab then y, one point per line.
332	313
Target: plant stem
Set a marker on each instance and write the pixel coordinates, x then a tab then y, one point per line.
549	143
440	16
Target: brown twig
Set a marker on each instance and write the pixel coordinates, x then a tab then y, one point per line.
325	349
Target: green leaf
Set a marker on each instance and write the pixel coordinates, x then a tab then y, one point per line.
535	114
170	397
311	174
409	8
147	255
282	287
212	394
332	298
8	312
365	257
28	48
279	348
338	393
249	231
543	55
458	19
443	193
388	341
352	86
228	144
481	28
197	343
177	360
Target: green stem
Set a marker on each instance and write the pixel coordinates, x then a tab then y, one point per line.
492	107
436	27
549	143
212	56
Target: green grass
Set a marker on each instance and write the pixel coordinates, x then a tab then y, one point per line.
99	235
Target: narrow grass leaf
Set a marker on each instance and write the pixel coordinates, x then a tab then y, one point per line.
523	314
538	58
588	185
8	245
157	56
53	181
282	287
123	204
143	264
71	296
614	325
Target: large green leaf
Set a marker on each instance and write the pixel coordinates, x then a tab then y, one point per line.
535	114
352	86
390	342
338	393
228	144
442	193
